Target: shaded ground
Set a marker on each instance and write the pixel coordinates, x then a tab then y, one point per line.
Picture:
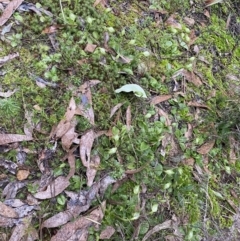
119	120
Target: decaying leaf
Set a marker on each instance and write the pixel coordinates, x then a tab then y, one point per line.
196	104
7	211
115	108
10	138
88	84
22	174
190	76
9	10
83	223
71	162
54	188
92	169
70	110
67	124
189	132
206	147
85	107
20	230
10	191
9	165
189	21
158	99
107	232
165	225
78	203
51	29
86	143
102	2
164	114
68	138
172	22
90	48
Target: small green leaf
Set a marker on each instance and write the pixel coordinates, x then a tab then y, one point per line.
136	189
154	208
61	199
112	151
169	172
135	216
136	89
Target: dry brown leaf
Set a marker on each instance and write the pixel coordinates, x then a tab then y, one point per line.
92	169
158	99
164	114
82	61
128	118
192	77
193	37
78	203
102	2
206	147
189	132
80	235
65	125
233	150
83	223
165	225
58	219
21	229
54	188
62	127
10	138
71	162
51	29
85	107
88	84
22	174
86	143
9	10
7	94
196	104
189	162
90	48
107	232
68	138
7	211
171	22
115	108
189	21
70	110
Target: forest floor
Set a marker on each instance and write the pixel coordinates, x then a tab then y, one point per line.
119	120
